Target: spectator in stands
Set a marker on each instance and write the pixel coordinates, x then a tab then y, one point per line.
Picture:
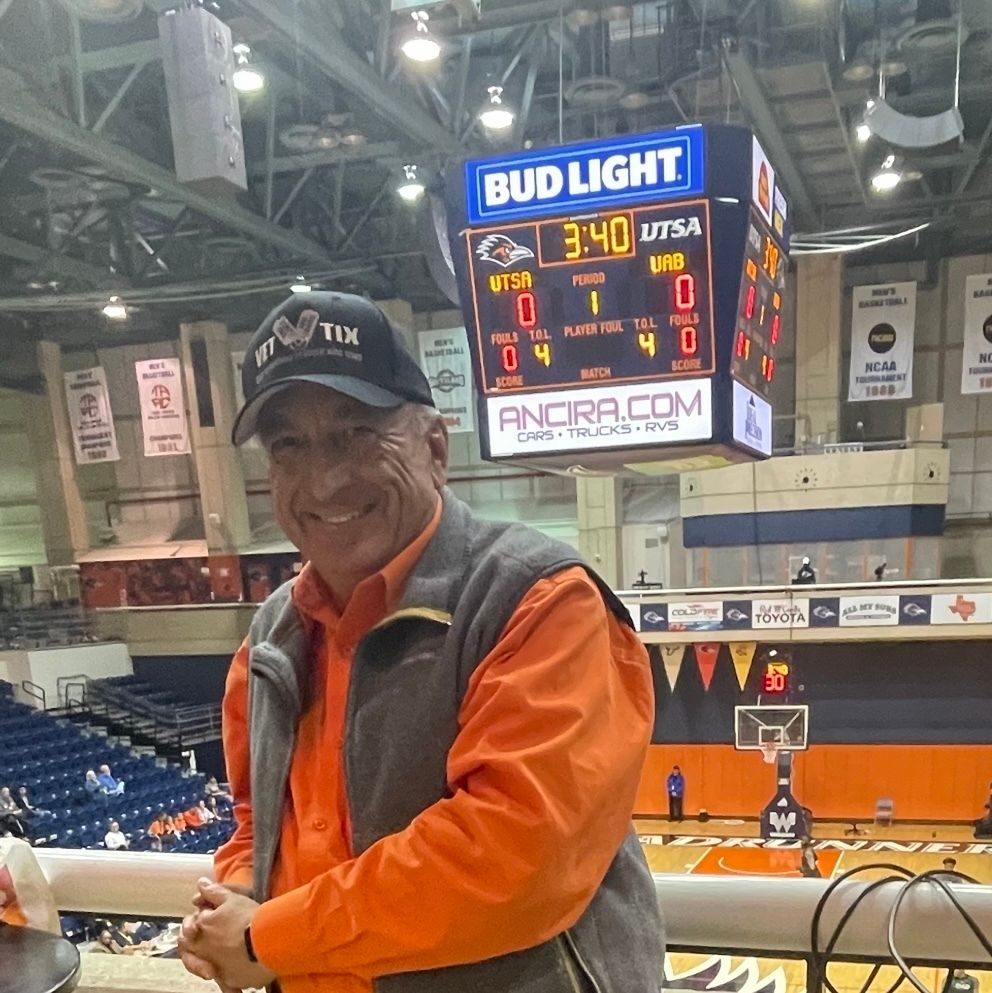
219	812
11	815
213	789
92	785
983	826
105	943
111	786
959	981
676	793
162	831
115	838
199	816
949	873
24	801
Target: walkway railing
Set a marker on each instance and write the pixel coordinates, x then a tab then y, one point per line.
760	916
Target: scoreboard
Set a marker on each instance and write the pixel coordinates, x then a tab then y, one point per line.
623	299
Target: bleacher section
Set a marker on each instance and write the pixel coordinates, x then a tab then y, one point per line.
50	756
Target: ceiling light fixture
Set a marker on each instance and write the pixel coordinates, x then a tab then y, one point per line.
862	132
420	46
411	189
301	285
246	78
496	117
888	176
115	310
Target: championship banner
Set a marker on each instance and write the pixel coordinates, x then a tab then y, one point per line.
976	364
163	413
883	328
742	655
706	654
671	657
90	416
446	362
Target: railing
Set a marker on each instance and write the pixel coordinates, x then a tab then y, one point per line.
761	916
34	691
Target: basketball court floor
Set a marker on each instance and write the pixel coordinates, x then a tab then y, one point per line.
720	847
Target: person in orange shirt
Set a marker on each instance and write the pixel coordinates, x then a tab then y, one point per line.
434	735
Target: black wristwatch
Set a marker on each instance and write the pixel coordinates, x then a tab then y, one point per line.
252	957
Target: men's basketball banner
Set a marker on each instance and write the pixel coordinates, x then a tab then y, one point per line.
90	416
706	653
883	328
671	657
976	364
163	413
446	362
742	655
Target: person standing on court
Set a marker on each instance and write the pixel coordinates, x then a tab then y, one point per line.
434	735
809	863
676	793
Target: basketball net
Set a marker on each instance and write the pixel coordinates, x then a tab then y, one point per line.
769	753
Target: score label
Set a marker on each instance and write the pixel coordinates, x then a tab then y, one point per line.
600	417
621	296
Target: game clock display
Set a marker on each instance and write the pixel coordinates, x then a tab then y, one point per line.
615	296
758	327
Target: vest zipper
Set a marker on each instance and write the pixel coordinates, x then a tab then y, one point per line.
568	940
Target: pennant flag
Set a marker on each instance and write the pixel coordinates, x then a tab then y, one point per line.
671	656
742	655
706	654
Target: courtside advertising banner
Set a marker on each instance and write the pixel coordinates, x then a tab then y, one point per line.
446	362
163	413
90	416
883	328
976	364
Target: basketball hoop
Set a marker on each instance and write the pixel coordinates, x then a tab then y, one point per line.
769	752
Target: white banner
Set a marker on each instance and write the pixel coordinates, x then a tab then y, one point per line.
577	420
869	611
163	413
976	364
445	359
781	612
961	608
883	327
695	615
90	416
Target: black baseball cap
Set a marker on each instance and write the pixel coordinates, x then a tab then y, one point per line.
337	340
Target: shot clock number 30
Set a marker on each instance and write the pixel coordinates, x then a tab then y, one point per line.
575	300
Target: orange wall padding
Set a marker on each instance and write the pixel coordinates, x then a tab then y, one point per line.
926	782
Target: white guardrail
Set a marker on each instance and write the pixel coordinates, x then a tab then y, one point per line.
754	915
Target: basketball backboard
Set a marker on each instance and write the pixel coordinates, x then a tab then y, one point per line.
785	727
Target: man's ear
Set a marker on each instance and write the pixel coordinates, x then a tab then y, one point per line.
437	441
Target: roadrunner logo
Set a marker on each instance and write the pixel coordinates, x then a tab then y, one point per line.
298	335
915	610
502	251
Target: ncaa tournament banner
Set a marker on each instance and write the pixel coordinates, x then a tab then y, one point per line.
976	364
90	416
163	413
672	657
883	328
706	656
446	362
742	655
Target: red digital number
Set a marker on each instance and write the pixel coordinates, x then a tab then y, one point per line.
774	682
510	359
688	341
752	293
741	342
526	310
685	291
768	367
776	325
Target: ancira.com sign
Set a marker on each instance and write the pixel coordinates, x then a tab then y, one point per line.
600	418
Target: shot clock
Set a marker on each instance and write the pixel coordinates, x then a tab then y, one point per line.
623	299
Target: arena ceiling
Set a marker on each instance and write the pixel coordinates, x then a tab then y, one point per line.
90	205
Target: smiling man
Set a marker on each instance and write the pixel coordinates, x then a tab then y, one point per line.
434	735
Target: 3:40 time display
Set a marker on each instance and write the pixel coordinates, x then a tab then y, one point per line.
594	239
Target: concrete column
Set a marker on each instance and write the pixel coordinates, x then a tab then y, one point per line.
600	506
63	521
223	501
819	298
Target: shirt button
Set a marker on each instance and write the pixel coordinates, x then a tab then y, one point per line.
320	824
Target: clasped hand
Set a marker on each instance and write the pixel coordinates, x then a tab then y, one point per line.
212	940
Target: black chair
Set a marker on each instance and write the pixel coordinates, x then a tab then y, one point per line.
36	961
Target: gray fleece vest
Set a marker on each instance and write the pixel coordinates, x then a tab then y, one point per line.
409	675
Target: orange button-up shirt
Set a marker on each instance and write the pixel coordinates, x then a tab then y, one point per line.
552	736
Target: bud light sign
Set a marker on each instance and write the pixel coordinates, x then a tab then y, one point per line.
654	167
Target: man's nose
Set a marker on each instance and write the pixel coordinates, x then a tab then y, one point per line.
328	470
